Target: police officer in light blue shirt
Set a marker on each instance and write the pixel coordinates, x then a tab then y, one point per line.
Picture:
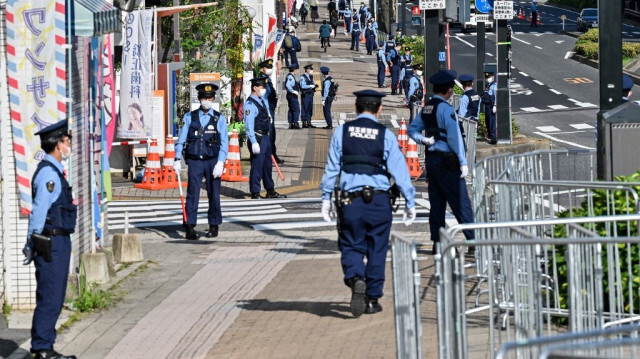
416	91
293	96
488	101
53	215
205	139
355	31
382	64
446	163
327	97
348	16
308	87
393	58
363	156
470	100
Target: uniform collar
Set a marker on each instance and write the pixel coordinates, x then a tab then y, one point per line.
209	112
255	97
368	116
54	161
440	97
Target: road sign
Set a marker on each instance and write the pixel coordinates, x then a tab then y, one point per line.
483	18
442	57
483	6
503	10
432	4
563	17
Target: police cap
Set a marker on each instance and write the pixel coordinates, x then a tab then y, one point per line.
369	96
465	78
417	67
259	81
407	48
307	67
324	70
443	77
58	128
293	67
627	82
266	63
207	90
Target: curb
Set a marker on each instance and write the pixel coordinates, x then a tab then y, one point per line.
596	65
532	144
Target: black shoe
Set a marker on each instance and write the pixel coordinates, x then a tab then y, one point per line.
372	306
191	233
351	48
256	195
296	126
393	92
311	125
358	304
52	354
305	125
434	249
290	126
278	160
273	194
327	127
213	231
493	141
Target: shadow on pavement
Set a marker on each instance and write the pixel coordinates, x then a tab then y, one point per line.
321	309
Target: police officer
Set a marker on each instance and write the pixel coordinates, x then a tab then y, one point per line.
266	69
370	38
445	157
348	16
363	156
258	124
416	91
355	34
327	96
393	58
406	62
382	64
627	85
205	139
293	94
470	100
389	45
291	52
308	88
489	102
53	215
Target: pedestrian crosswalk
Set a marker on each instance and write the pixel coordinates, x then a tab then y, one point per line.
565	128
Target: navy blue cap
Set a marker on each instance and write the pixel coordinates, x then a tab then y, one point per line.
627	82
266	63
369	96
310	66
466	78
324	70
381	43
417	67
293	67
443	77
259	81
207	90
58	127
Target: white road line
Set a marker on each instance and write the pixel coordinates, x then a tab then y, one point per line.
423	202
395	123
523	74
489	54
522	41
559	41
636	33
538	82
531	109
465	42
558	107
555	92
582	104
563	141
581	126
538	47
548	129
572	100
568	55
394	116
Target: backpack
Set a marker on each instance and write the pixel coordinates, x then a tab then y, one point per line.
334	18
288	42
298	46
333	88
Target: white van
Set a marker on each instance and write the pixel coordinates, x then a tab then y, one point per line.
472	24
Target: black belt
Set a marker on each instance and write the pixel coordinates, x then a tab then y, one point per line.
204	158
55	232
263	133
358	194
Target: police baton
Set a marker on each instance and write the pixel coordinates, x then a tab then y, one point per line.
277	167
184	211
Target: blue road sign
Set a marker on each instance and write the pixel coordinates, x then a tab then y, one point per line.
484	6
442	57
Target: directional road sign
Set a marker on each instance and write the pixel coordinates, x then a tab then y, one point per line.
484	6
432	4
503	10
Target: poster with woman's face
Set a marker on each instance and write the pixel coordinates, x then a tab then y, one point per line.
133	123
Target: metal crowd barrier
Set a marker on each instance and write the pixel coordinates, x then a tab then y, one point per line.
406	297
526	266
470	128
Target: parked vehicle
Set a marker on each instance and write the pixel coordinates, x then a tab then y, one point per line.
587	19
472	23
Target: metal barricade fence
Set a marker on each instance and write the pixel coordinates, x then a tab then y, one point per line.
406	297
489	169
553	165
533	279
470	128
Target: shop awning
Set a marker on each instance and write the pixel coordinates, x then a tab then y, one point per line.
95	18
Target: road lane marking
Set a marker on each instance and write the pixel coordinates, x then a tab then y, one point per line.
538	82
558	107
522	41
559	41
555	92
538	47
548	129
581	126
563	141
394	123
523	74
582	104
489	54
568	55
531	109
465	42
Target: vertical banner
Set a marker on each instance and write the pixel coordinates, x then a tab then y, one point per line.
37	81
257	46
271	36
278	43
135	84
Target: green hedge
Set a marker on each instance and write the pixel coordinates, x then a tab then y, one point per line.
587	46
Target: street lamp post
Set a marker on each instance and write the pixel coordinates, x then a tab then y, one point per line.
252	13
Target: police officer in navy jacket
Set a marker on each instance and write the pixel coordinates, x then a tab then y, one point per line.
266	69
54	216
205	139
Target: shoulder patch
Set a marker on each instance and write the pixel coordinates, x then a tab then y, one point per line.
50	186
247	112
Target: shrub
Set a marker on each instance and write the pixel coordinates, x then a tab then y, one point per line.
630	49
588	50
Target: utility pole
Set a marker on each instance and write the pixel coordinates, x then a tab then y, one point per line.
403	17
610	53
480	57
431	48
502	12
176	30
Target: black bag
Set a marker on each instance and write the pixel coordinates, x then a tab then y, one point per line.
333	89
298	46
42	245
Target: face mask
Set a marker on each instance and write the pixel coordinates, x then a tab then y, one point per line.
419	73
268	72
66	154
206	104
262	92
311	72
490	79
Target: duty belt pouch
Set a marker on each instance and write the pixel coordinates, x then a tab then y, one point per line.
42	245
367	194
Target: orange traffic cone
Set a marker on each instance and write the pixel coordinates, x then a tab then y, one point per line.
362	39
412	159
232	167
152	178
539	19
169	176
402	137
521	15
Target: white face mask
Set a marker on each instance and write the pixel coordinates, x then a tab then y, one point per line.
66	153
268	72
490	79
419	73
262	92
206	104
310	72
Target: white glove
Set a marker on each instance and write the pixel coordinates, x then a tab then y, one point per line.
322	102
255	148
409	216
428	141
177	166
217	170
494	109
327	210
465	171
296	93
